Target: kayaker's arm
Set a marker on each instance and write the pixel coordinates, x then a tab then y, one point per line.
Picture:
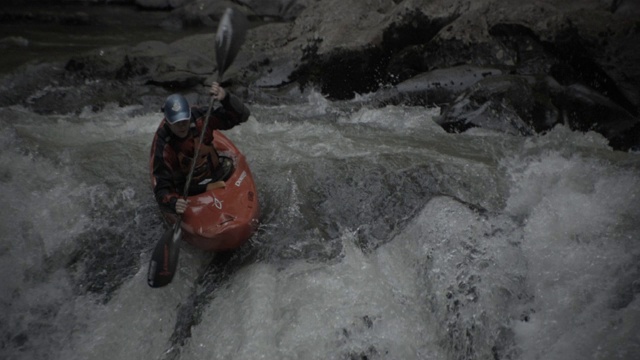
232	113
162	179
164	193
234	105
165	197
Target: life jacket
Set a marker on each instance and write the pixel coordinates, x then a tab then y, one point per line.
207	161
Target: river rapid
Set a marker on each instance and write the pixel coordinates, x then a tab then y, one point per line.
381	237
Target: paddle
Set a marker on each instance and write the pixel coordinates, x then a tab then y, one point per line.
229	39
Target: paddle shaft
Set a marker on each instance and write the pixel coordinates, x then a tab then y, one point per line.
197	149
224	56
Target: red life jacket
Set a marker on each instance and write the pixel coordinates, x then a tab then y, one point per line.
208	160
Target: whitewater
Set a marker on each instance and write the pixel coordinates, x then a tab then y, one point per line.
381	237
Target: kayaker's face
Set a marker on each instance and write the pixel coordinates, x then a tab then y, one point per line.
181	128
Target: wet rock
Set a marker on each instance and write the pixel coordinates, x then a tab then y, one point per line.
507	103
585	109
442	85
416	37
344	72
577	63
522	105
119	75
562	63
526	52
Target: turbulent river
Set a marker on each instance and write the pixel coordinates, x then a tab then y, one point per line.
381	237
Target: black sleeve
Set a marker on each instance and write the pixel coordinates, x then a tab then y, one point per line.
164	188
232	113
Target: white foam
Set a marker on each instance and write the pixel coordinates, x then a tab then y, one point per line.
311	311
578	216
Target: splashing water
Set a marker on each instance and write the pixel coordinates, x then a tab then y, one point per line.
382	237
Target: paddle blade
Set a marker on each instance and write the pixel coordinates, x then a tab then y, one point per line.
229	38
164	259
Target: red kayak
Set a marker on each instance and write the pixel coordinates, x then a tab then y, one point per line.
225	218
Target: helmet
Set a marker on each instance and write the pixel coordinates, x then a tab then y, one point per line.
176	108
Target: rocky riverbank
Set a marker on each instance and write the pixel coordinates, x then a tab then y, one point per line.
514	66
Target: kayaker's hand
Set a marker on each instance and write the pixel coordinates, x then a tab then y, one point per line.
216	185
181	206
217	91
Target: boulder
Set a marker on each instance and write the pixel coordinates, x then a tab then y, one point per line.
442	86
394	42
522	105
511	104
585	109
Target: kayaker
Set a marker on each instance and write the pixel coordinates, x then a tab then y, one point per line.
173	146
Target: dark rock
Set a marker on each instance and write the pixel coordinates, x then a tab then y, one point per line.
525	106
507	103
176	82
196	14
578	64
189	13
527	53
131	68
585	109
276	74
46	16
626	8
344	73
281	10
158	4
442	85
443	54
